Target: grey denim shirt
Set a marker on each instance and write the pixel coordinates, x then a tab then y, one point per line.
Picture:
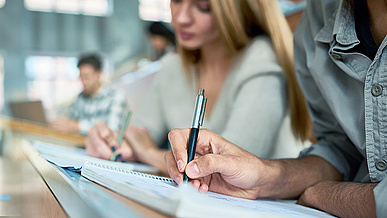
346	93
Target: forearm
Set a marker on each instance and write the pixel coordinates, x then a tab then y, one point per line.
342	199
293	176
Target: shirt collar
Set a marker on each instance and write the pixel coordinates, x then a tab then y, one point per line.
101	92
340	26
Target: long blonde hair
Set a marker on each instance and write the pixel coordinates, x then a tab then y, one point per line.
238	22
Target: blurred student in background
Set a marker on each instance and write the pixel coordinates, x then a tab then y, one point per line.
94	103
241	53
161	38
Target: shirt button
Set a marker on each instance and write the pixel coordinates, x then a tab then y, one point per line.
381	165
336	56
376	90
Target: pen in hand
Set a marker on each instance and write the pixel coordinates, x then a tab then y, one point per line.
197	121
114	156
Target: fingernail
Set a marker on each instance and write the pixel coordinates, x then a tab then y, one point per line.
114	148
118	157
180	165
177	180
193	169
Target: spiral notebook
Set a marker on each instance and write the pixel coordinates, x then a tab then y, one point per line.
163	194
72	158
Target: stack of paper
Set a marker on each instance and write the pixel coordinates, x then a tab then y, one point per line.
163	194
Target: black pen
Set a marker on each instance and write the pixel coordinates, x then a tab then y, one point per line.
197	121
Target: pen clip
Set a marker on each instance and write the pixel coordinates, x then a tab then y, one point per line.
199	110
203	111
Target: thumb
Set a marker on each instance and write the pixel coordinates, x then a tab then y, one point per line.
207	165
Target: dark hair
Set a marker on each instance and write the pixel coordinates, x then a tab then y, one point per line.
160	29
92	60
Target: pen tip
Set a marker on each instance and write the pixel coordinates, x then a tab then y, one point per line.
201	92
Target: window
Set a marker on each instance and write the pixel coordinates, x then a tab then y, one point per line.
155	10
2	3
84	7
52	79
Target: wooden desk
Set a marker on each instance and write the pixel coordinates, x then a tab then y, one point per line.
29	195
30	128
39	189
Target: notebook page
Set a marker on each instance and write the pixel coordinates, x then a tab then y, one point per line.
280	208
158	185
128	184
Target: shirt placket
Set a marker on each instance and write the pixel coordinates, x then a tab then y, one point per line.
375	117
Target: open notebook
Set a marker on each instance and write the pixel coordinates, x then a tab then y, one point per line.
72	158
165	195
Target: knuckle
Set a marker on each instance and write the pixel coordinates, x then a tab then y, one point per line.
141	129
208	161
174	133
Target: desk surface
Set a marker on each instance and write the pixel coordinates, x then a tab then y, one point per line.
27	192
37	189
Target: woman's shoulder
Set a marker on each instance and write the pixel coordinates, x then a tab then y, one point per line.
260	53
170	65
170	59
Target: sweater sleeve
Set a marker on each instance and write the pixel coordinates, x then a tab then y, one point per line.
150	114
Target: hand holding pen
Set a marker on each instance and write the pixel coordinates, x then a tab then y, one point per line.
197	121
114	156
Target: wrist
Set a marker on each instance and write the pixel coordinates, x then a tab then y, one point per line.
269	186
154	157
146	154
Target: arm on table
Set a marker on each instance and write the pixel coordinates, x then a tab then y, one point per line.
65	125
342	199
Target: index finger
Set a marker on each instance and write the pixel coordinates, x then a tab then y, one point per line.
106	133
178	139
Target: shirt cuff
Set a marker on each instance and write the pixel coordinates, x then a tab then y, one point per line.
332	155
381	198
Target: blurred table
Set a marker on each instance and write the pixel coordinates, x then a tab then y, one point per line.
29	128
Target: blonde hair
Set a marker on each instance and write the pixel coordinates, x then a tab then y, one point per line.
238	21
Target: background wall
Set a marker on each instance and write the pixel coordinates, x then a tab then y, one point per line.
120	37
